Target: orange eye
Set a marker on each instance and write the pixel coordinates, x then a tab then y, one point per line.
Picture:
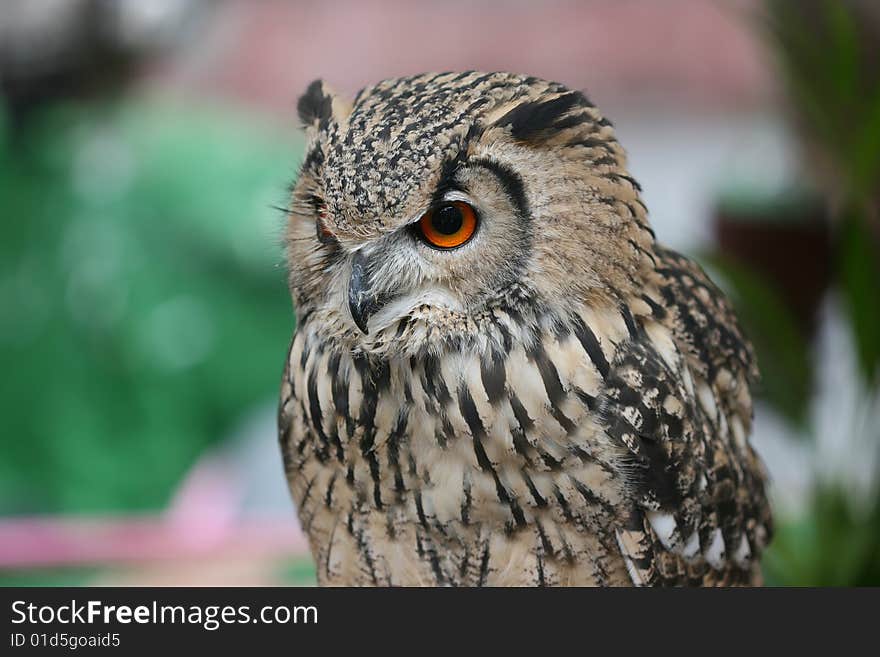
449	225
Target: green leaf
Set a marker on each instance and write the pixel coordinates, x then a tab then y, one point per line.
858	265
866	157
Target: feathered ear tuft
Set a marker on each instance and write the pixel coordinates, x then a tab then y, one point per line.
314	106
318	105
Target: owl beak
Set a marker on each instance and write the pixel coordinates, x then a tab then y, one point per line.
362	301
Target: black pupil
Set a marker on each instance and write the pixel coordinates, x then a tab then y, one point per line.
447	219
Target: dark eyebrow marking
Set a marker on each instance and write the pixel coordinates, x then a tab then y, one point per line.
510	180
531	120
447	181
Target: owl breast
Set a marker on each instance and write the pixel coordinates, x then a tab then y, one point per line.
480	465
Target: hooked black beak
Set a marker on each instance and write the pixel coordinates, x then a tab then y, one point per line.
362	302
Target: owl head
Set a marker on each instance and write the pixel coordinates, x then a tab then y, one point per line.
432	205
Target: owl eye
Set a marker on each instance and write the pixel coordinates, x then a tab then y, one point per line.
449	225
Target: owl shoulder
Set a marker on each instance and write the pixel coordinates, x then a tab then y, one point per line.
676	400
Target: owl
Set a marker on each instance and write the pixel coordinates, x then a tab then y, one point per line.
498	375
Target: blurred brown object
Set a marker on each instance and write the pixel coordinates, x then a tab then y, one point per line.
789	245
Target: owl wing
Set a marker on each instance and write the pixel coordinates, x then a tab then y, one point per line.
680	414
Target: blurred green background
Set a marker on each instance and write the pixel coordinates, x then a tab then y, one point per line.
142	253
146	151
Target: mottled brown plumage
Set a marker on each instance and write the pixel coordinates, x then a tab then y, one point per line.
559	401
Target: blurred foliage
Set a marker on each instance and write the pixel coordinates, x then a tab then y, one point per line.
833	545
828	56
298	572
831	64
78	576
858	267
144	303
829	52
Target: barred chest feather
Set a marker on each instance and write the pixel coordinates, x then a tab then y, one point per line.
580	449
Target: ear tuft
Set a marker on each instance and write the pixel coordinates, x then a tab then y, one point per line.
315	106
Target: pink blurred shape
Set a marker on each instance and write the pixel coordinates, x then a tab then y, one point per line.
204	520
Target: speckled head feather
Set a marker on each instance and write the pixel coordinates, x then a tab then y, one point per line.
557	399
375	158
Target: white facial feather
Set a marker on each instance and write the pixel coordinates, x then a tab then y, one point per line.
434	296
